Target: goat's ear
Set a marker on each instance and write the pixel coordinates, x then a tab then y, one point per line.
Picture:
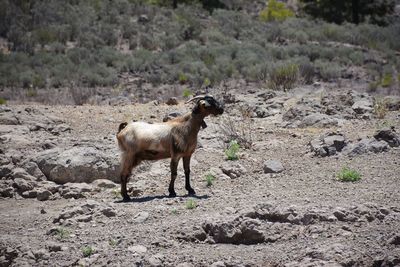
204	103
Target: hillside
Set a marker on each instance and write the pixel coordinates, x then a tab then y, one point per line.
144	52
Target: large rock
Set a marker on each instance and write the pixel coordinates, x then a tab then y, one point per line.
328	144
362	106
389	136
367	145
78	164
239	231
318	120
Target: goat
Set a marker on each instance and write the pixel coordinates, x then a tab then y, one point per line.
175	139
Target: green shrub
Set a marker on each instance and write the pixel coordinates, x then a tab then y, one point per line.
191	204
187	93
210	179
328	71
182	78
284	77
3	101
62	233
233	149
349	175
387	80
87	251
275	11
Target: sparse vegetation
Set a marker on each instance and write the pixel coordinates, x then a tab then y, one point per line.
187	93
63	45
349	175
387	80
238	130
116	193
174	211
210	179
113	242
233	149
284	77
87	251
3	101
191	204
62	233
380	108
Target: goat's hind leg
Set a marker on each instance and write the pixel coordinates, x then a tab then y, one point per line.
128	162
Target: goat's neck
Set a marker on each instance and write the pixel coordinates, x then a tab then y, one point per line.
196	120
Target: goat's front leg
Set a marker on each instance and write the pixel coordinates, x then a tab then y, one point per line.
186	167
174	173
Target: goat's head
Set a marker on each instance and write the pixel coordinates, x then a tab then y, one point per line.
207	105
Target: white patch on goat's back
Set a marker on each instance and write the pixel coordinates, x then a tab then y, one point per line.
153	133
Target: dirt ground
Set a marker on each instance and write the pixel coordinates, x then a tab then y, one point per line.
341	224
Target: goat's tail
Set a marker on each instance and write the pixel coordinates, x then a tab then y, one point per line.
122	126
120	136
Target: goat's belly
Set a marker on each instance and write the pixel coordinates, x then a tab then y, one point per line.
155	155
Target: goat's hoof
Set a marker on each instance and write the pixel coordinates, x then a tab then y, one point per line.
126	199
191	192
172	194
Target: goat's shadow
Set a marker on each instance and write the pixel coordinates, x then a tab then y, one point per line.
151	198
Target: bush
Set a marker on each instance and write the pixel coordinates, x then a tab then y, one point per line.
349	175
328	71
275	11
3	101
191	204
387	80
210	179
233	149
284	77
380	108
87	251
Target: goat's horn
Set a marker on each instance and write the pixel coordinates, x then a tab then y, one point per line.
195	98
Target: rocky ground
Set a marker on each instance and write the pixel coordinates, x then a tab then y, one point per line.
279	204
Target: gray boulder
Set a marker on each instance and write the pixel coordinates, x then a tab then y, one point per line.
328	145
239	231
362	106
233	170
318	120
367	145
273	166
389	136
78	164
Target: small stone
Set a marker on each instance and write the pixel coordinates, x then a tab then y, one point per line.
218	264
172	101
138	249
84	218
29	194
54	247
184	264
104	183
273	166
233	170
395	240
141	217
7	192
109	212
44	195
